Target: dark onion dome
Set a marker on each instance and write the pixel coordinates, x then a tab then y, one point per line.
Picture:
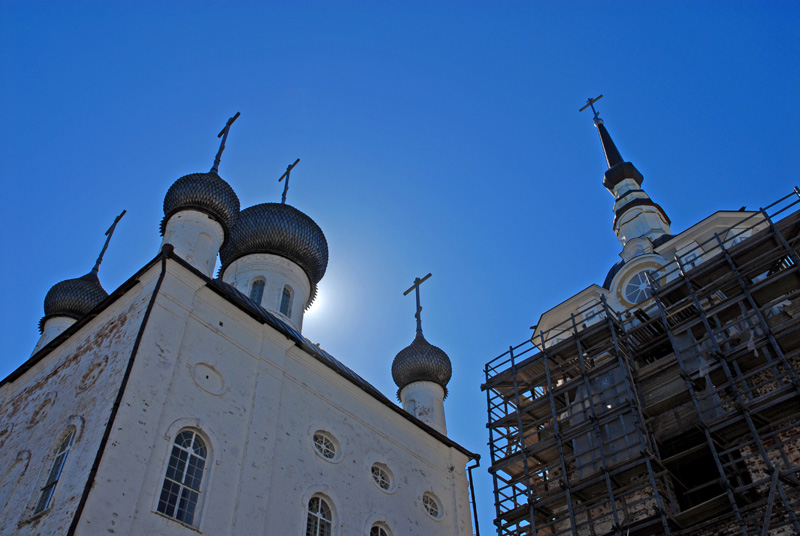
204	192
421	361
74	298
281	230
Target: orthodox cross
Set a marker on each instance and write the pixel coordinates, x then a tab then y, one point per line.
415	286
224	135
109	233
286	186
590	103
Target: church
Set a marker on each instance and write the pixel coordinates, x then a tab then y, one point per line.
666	399
183	403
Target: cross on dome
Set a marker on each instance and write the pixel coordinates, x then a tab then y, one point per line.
109	234
417	315
286	185
224	135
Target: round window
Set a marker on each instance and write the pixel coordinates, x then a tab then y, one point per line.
638	288
382	477
431	505
325	445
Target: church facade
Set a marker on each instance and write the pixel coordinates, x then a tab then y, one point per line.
666	400
182	403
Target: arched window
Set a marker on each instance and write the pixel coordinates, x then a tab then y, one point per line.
320	518
53	476
286	301
379	529
180	494
257	290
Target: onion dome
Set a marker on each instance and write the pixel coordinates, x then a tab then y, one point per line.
204	192
421	361
74	298
281	230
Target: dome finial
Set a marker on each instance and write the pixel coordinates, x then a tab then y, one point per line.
612	153
418	315
286	186
109	234
224	135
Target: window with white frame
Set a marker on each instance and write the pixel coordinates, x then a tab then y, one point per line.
319	521
382	476
431	505
54	475
325	445
286	301
257	290
379	529
180	493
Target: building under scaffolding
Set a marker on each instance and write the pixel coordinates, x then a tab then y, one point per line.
673	412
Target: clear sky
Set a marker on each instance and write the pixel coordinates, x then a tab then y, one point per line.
437	137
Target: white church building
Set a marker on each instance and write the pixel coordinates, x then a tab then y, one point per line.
181	403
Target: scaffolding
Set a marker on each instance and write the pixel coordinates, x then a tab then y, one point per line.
679	417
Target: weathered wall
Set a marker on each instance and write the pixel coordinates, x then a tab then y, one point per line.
72	386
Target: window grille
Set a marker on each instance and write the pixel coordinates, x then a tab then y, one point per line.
381	477
431	505
46	496
320	518
325	446
180	493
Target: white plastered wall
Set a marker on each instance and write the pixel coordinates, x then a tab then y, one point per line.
259	417
196	238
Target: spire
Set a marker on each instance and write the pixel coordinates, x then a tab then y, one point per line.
224	135
643	217
418	315
109	234
286	185
612	153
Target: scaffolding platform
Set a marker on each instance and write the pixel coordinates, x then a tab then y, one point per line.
679	417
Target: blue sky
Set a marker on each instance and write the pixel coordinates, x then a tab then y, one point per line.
437	137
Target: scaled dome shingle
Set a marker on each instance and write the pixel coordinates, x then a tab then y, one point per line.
74	298
281	230
421	361
205	192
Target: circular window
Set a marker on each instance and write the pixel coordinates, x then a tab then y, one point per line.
431	504
382	477
326	445
638	288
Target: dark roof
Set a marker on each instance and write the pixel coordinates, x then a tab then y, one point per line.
205	192
281	230
73	298
421	361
